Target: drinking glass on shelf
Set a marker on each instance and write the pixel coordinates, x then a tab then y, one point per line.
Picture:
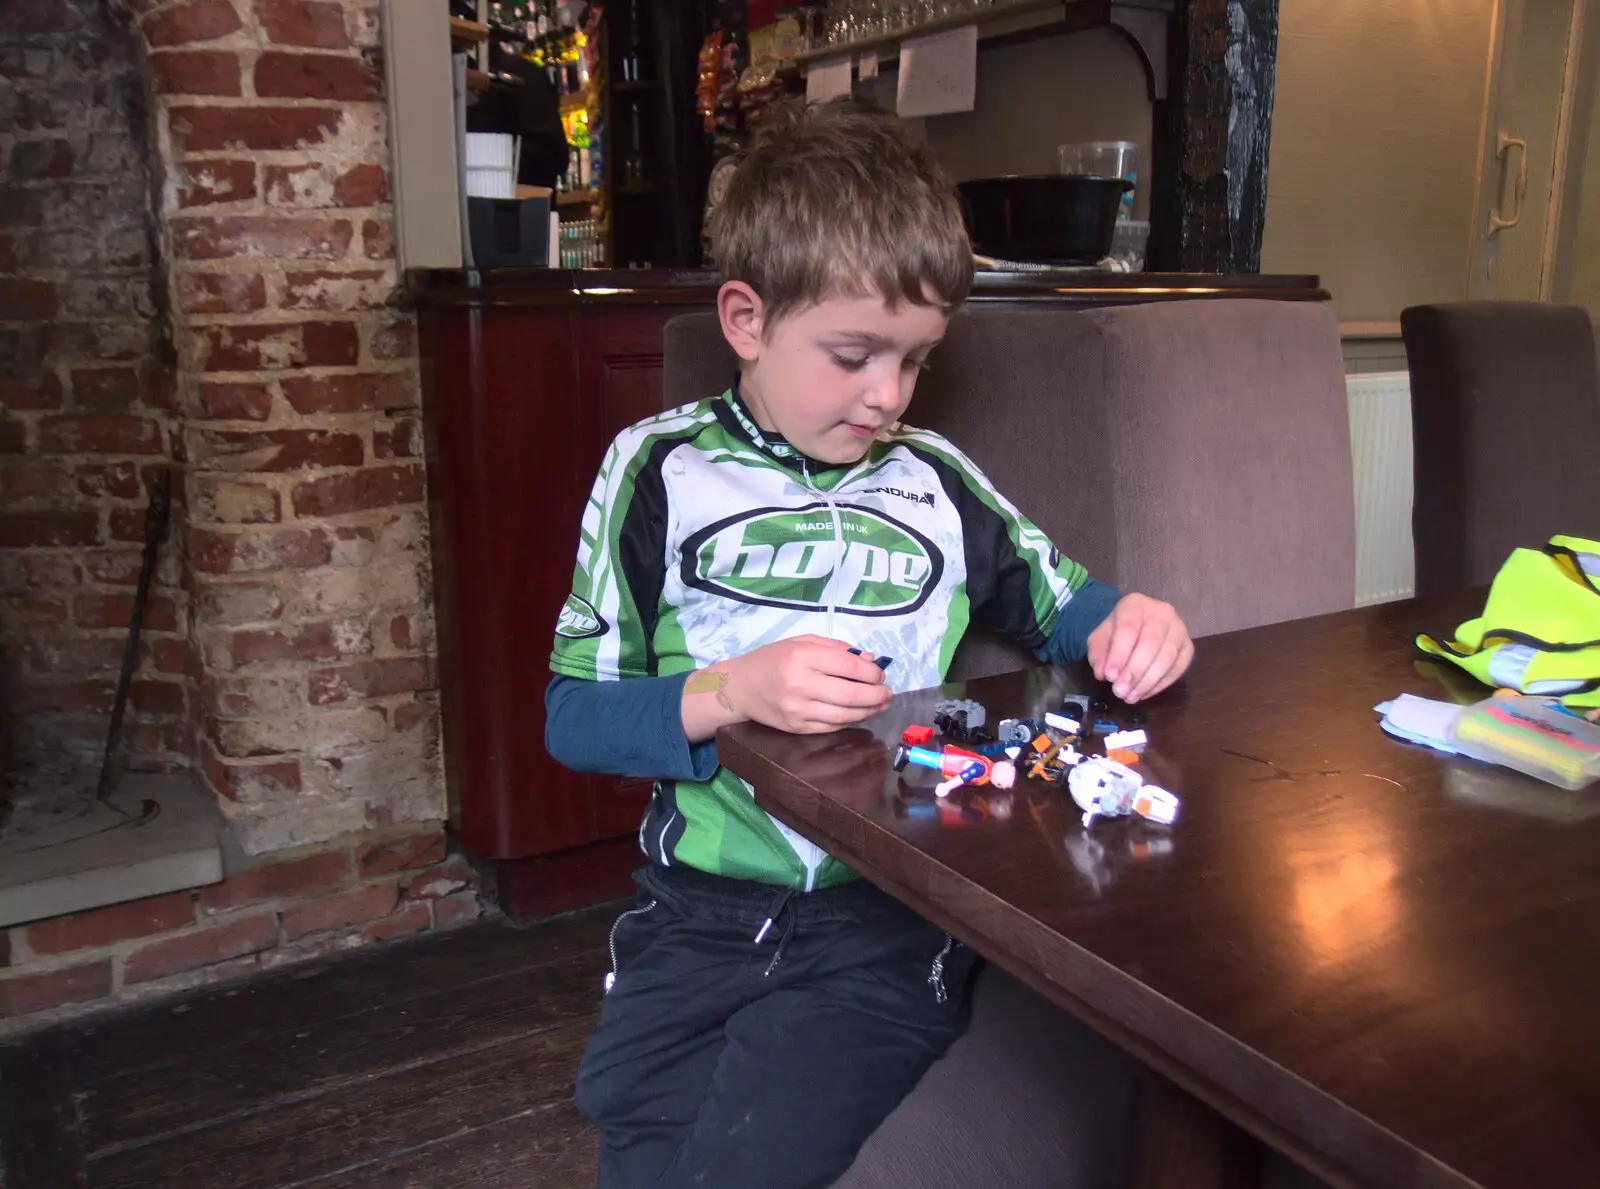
856	18
834	23
812	25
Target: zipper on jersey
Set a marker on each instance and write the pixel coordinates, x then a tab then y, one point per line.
838	543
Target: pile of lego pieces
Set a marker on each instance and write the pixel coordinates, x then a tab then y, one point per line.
1053	749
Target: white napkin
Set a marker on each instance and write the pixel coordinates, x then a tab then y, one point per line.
1420	720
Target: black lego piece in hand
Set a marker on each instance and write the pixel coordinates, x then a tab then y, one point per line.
883	662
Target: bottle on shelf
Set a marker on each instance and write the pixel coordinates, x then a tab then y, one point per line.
571	57
581	152
582	244
631	39
556	43
579	175
634	173
533	24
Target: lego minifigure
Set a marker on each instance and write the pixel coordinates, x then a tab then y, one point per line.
958	767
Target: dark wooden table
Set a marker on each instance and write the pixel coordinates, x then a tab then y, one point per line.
1381	961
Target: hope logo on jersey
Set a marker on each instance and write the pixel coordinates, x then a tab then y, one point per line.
579	620
793	558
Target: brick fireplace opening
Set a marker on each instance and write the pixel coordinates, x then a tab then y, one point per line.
90	397
197	278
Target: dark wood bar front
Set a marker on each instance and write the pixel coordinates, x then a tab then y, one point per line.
527	376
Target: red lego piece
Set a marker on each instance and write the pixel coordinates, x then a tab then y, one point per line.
916	736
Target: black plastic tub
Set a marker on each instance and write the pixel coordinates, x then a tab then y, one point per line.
1043	218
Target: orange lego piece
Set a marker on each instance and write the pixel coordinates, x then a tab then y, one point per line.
1046	757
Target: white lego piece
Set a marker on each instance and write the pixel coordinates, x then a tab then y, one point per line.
1155	803
1103	788
1119	740
1067	726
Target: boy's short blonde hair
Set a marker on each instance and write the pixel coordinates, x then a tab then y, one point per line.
836	200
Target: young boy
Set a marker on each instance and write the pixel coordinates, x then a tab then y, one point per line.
767	1009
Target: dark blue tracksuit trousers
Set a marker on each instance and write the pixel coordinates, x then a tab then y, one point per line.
753	1037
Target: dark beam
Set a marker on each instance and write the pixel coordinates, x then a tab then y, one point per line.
1209	193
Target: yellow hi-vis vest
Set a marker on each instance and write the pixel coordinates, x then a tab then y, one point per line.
1540	630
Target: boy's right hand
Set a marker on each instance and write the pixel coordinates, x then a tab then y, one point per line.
806	685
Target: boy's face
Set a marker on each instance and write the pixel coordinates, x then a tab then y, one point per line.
832	376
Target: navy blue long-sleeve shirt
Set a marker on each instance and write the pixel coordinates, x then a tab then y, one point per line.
635	727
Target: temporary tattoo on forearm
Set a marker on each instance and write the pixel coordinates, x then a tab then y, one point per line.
706	682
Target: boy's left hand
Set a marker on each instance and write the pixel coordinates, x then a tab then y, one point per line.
1141	647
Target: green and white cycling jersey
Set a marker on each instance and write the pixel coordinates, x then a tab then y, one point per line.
705	538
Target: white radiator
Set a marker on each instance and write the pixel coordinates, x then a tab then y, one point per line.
1380	448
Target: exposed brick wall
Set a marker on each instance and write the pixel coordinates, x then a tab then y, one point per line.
86	402
197	271
306	538
290	639
290	907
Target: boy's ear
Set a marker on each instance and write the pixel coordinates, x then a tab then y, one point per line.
740	310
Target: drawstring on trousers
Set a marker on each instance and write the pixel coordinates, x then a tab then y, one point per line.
781	906
779	903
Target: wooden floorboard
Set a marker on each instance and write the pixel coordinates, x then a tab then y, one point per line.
361	1123
41	1141
550	1148
284	1066
137	1043
443	1061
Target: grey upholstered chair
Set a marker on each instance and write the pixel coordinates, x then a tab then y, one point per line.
1196	451
1229	450
1505	413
